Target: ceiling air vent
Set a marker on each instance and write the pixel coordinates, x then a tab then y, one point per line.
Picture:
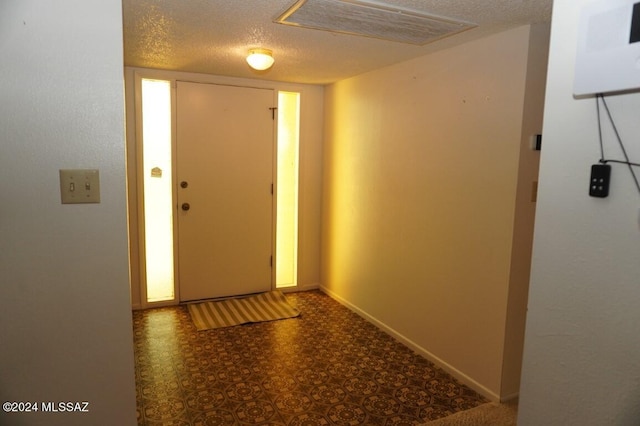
371	20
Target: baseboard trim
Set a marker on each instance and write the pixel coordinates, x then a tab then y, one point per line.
510	397
306	287
482	390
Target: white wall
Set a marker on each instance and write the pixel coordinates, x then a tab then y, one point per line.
525	209
582	344
65	319
421	167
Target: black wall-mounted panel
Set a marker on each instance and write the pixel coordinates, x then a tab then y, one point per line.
635	24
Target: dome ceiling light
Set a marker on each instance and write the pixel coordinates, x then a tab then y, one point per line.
260	59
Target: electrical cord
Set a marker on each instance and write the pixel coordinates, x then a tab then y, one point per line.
603	160
600	129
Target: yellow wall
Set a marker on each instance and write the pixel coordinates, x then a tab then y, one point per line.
421	175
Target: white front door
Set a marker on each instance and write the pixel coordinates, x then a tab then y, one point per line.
224	166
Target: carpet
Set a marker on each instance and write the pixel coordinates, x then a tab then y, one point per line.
489	414
268	306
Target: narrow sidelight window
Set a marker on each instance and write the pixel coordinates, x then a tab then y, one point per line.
157	190
287	189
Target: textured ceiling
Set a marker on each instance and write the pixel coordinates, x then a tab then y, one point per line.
213	36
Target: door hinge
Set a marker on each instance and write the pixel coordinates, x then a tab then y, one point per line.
271	261
271	189
273	112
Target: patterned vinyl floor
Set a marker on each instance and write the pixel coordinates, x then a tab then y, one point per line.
326	367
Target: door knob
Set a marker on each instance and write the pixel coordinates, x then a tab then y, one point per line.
185	206
184	184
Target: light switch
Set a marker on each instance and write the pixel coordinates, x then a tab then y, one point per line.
79	186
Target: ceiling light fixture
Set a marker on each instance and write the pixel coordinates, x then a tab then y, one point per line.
260	59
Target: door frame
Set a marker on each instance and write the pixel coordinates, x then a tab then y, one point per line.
136	190
310	145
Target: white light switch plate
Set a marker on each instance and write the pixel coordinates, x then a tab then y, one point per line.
79	186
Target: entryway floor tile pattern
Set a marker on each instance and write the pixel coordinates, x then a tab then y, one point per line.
327	367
